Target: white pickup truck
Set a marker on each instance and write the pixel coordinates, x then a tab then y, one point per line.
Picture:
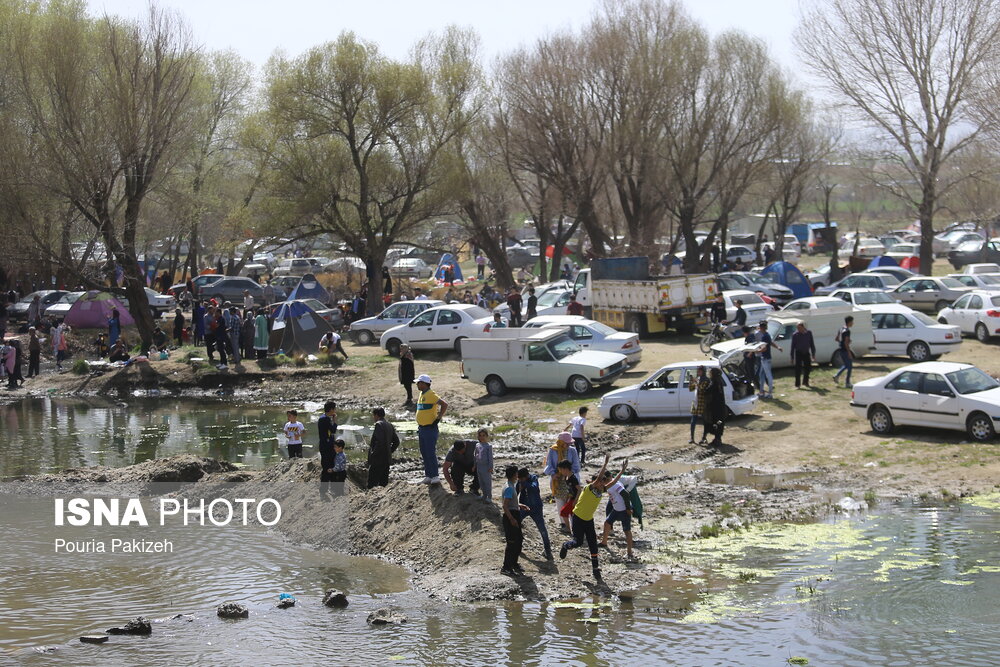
536	359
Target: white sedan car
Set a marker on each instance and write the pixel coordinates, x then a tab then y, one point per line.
935	393
863	297
411	267
369	329
753	306
592	335
900	330
57	311
665	393
816	303
989	282
438	328
976	313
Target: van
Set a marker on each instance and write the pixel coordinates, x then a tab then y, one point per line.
824	323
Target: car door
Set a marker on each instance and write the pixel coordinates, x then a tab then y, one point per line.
583	336
926	295
420	333
962	315
902	397
893	333
659	396
394	315
906	293
540	368
685	397
448	328
939	403
972	314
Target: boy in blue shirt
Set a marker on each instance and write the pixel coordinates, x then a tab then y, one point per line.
530	496
512	524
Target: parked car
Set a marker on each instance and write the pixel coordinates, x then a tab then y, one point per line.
521	257
738	252
592	335
900	330
561	286
536	359
882	281
297	266
938	394
754	306
231	289
197	283
974	252
369	329
985	267
438	328
57	311
901	251
868	248
158	303
863	297
252	269
989	282
814	303
763	284
947	241
285	283
977	312
820	277
47	297
898	272
665	392
411	267
334	316
928	293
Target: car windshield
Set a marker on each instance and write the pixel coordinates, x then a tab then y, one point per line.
550	298
562	347
971	381
951	282
603	329
868	298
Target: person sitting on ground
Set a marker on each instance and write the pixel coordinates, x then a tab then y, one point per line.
459	462
118	352
159	338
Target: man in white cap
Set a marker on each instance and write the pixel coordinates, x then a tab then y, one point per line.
430	411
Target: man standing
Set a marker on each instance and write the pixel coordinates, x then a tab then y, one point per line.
384	442
766	374
574	307
248	303
846	353
430	411
480	266
514	303
34	311
327	436
803	353
532	303
268	293
34	352
740	318
459	462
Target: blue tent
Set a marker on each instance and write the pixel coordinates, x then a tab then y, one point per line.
309	288
882	260
448	258
789	276
297	329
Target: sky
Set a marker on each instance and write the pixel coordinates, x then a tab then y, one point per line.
256	28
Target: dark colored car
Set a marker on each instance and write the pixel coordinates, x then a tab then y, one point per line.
19	310
972	253
231	289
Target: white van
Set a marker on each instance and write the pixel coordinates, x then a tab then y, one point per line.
824	324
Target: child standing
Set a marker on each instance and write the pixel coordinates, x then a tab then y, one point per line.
293	433
583	515
512	524
575	427
339	468
571	485
484	464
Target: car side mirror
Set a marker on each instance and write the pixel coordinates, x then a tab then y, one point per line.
948	393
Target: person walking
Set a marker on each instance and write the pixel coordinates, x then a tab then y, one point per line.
619	508
383	443
248	301
529	495
715	407
34	353
221	338
583	515
576	429
532	310
513	534
114	326
405	372
484	464
766	374
260	335
179	327
327	426
803	353
562	451
209	328
698	384
60	343
430	411
846	353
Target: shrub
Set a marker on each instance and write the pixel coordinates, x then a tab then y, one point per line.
81	367
300	361
282	359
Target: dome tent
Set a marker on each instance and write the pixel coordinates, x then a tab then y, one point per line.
788	275
93	310
882	260
448	258
297	329
309	288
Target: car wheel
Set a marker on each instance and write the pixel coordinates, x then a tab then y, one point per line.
458	344
980	427
365	337
636	324
495	386
579	385
941	305
880	420
982	333
392	346
622	413
918	350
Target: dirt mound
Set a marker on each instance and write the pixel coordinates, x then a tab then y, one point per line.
136	479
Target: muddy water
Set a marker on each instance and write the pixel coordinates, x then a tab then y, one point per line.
49	434
903	584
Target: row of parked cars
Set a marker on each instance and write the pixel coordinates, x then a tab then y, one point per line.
54	304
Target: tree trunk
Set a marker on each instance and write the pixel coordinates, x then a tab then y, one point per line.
926	216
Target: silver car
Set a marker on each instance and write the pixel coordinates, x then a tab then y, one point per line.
370	329
929	294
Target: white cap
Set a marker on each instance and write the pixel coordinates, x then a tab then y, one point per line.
424	378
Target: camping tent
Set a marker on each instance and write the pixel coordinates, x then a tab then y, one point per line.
297	329
789	276
882	260
309	288
448	258
93	310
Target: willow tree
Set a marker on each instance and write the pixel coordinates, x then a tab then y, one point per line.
360	138
907	68
105	104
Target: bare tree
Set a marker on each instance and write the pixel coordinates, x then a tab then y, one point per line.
907	68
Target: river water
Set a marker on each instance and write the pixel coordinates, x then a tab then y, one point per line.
903	584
